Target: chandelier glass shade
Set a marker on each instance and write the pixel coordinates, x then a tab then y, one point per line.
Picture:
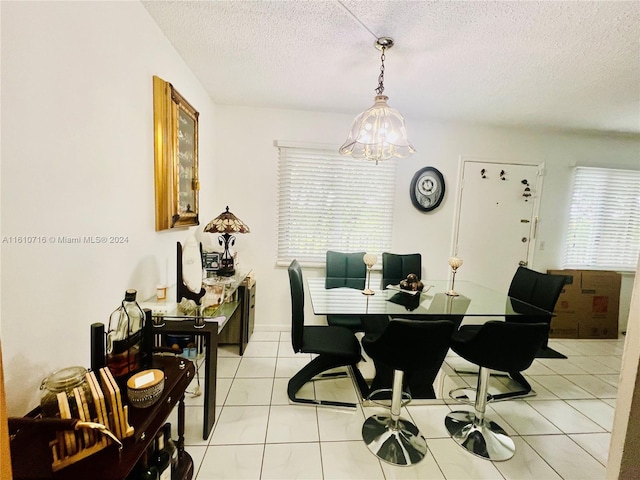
378	133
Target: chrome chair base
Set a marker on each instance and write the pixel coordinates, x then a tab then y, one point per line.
467	395
483	438
405	397
398	443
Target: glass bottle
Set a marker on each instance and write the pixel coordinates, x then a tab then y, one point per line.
144	471
161	458
124	338
171	448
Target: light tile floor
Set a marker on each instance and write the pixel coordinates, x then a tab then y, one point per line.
561	433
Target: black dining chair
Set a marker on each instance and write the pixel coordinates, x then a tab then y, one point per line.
345	270
540	290
404	345
523	283
500	346
396	267
333	347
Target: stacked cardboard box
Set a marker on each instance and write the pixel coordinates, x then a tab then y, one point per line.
588	305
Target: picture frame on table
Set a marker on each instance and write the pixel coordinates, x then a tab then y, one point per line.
211	261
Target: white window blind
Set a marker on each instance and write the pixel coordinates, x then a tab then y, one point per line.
331	202
604	220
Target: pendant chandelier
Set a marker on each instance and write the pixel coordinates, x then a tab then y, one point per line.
378	133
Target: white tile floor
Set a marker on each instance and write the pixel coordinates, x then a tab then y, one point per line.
561	433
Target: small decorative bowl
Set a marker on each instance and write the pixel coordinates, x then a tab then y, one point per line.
144	388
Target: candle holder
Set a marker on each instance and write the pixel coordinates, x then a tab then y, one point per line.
370	260
454	263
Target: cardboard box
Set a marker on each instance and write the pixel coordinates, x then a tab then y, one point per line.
564	325
588	306
570	295
598	316
600	305
589	328
599	282
572	280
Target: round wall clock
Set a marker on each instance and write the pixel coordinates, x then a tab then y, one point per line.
427	189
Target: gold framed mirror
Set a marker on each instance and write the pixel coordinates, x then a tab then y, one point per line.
176	158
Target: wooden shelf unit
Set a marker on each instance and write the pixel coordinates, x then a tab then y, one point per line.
31	456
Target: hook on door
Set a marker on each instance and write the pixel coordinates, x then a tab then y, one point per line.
527	190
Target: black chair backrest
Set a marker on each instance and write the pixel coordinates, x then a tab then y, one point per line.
541	290
505	346
523	283
547	291
345	270
411	344
396	267
297	305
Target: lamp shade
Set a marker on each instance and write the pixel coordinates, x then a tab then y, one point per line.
378	133
226	222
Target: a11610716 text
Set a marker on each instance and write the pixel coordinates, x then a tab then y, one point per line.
64	239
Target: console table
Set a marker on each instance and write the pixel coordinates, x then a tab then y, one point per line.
235	327
31	455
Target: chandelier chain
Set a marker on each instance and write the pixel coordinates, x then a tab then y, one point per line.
380	88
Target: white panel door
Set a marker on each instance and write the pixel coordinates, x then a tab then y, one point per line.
496	221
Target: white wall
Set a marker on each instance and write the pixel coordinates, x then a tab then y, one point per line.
77	159
245	144
623	463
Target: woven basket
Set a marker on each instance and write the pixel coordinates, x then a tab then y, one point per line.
145	388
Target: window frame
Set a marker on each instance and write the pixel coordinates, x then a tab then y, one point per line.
603	218
317	165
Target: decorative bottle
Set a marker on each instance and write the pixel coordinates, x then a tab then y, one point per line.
171	448
161	458
124	338
143	470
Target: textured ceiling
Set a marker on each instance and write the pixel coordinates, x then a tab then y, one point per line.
555	64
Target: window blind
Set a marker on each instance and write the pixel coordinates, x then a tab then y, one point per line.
331	202
604	220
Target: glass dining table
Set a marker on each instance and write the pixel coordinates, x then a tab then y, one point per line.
473	303
473	300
